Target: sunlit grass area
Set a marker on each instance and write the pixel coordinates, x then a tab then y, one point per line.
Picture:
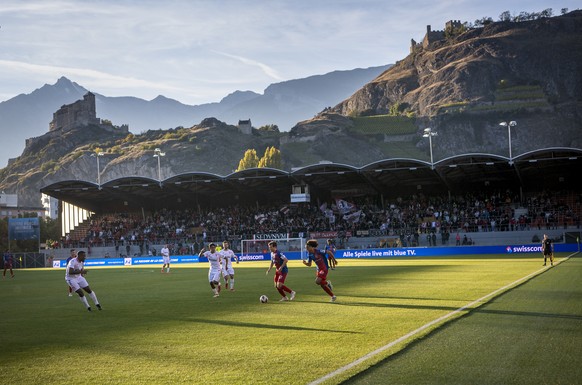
168	329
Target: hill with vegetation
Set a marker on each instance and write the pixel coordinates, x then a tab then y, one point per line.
462	86
465	84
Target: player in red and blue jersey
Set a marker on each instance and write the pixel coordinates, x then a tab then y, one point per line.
279	260
8	261
320	259
330	251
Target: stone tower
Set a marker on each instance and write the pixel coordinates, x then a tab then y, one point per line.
79	113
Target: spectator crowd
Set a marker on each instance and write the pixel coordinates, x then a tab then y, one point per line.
408	218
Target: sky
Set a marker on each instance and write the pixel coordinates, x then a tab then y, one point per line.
199	51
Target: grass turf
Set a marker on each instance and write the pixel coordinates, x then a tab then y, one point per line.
168	329
529	335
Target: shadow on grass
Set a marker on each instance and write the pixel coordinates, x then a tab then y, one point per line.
377	372
393	305
267	326
411	298
529	314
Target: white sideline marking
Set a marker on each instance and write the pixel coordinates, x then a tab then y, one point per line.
427	325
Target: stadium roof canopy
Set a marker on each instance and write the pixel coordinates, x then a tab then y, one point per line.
549	168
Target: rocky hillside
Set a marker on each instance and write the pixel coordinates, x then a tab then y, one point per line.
283	104
462	87
468	69
211	146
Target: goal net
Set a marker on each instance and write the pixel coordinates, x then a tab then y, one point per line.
258	249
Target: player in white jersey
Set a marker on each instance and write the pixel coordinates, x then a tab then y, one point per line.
227	270
215	260
166	257
75	277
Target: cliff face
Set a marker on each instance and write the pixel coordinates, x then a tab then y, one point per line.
211	146
530	72
472	66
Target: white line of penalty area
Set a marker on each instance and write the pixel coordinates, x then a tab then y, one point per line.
429	324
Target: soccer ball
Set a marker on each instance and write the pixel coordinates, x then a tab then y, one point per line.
264	299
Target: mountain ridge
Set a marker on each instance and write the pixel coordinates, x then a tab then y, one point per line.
28	115
462	87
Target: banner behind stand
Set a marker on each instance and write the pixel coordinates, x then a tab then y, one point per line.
353	253
138	261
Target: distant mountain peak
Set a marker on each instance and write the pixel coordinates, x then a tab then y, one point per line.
238	97
63	81
28	115
65	85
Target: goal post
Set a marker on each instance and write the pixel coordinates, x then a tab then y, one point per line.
258	249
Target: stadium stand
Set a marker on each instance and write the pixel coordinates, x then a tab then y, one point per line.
391	203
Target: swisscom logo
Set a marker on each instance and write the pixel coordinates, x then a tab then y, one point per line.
523	249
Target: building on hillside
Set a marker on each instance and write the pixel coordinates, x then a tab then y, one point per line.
51	206
433	36
9	207
80	113
8	200
245	126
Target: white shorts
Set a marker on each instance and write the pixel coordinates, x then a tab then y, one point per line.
226	272
213	275
166	260
77	283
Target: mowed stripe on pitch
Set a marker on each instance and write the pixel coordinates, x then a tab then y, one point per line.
445	317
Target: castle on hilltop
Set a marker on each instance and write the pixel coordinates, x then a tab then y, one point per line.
80	113
434	36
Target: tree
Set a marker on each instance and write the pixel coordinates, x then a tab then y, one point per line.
523	16
548	12
451	32
269	128
249	160
505	16
483	22
398	109
49	229
272	158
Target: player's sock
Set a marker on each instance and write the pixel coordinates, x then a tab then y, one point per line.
282	292
231	283
94	298
285	288
326	289
84	300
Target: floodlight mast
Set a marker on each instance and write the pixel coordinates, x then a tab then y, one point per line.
158	154
509	124
97	155
429	133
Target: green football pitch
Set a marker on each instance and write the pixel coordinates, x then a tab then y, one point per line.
463	320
